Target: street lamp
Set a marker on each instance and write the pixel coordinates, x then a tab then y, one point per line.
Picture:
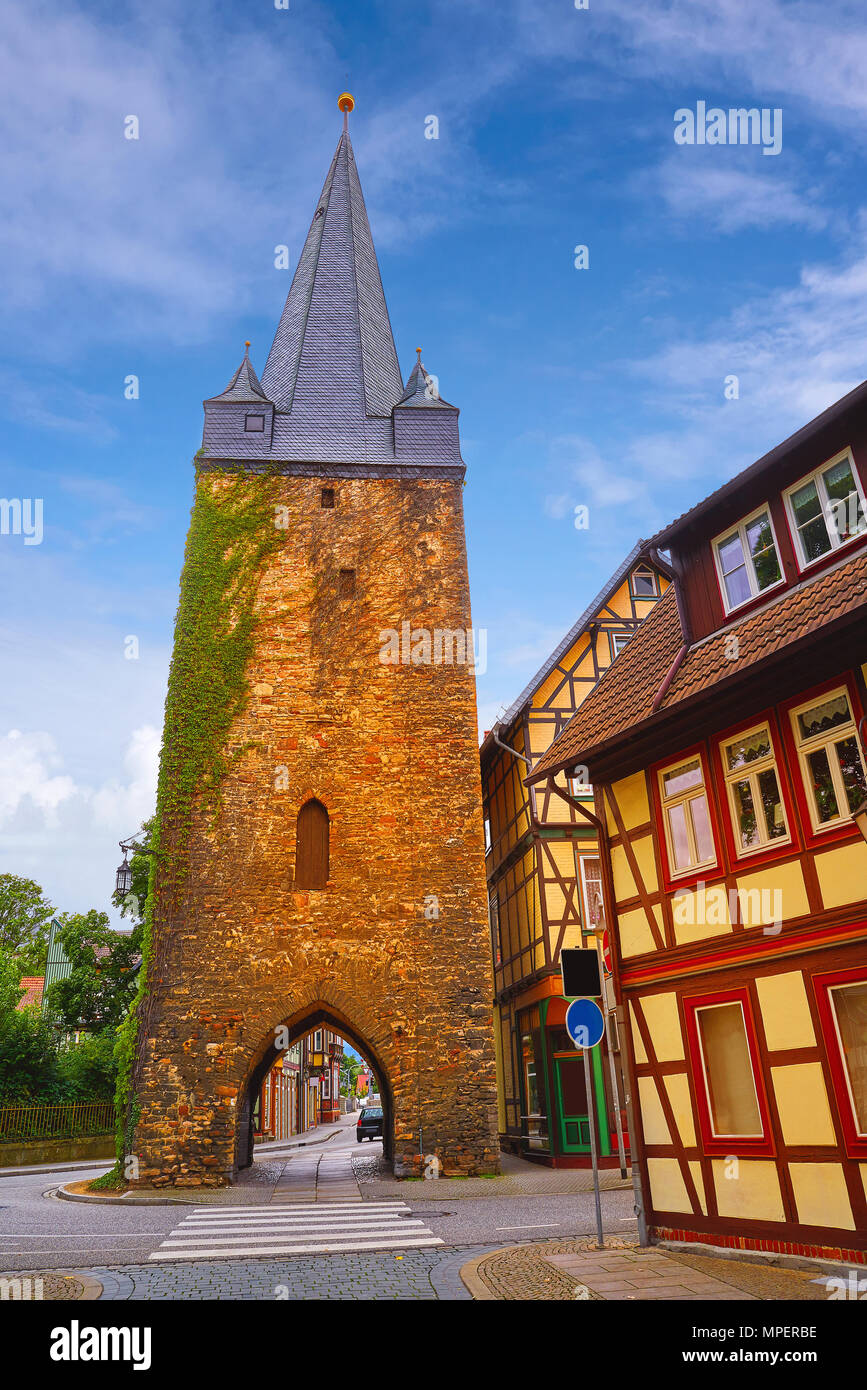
123	873
123	877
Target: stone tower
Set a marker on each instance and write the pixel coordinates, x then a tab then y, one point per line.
319	838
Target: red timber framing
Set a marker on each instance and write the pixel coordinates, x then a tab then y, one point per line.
741	982
541	848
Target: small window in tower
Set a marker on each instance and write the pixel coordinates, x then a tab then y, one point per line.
347	583
326	497
254	424
311	846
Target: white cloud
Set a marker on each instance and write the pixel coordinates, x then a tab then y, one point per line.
729	198
27	763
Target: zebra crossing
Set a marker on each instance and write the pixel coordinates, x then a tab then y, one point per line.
306	1229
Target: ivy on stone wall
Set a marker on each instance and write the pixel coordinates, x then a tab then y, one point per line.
232	536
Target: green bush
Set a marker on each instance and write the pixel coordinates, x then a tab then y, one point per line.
87	1069
29	1068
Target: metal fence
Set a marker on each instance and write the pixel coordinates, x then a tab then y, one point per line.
56	1121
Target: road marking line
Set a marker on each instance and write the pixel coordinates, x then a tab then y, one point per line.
320	1249
540	1226
330	1233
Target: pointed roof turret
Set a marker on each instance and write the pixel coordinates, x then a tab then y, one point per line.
245	385
333	359
422	389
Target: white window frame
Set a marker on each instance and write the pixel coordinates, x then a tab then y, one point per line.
317	1045
581	791
816	477
644	569
750	773
680	798
727	1004
624	638
585	895
740	528
831	991
826	740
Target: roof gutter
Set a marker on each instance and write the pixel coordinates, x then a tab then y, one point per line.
672	672
508	747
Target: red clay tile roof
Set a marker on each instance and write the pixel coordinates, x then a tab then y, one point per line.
624	697
33	984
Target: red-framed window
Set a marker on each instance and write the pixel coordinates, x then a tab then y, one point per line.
727	1075
759	820
686	818
841	998
829	769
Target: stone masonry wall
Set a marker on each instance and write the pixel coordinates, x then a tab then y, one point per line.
392	752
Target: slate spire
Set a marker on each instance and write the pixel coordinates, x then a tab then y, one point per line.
245	385
333	358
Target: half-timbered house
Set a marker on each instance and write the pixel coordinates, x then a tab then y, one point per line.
544	884
726	750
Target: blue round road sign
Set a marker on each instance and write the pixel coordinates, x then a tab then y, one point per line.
585	1023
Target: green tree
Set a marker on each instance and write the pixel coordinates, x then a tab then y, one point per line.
25	917
88	1070
102	984
10	982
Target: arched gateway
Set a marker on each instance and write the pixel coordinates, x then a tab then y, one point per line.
319	831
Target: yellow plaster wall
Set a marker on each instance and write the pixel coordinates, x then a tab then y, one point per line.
704	911
842	874
652	1117
820	1195
663	1022
631	797
677	1087
624	883
754	1193
788	879
667	1187
802	1100
698	1179
785	1011
634	934
637	1045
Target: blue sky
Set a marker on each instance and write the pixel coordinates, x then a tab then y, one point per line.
602	386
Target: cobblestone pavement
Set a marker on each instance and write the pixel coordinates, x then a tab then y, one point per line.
415	1275
568	1270
36	1285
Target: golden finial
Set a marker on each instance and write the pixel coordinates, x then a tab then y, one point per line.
418	350
246	342
346	102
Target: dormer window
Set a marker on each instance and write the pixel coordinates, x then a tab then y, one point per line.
254	424
826	509
644	582
747	560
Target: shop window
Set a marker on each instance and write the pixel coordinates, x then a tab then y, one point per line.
686	816
755	802
747	560
826	509
831	761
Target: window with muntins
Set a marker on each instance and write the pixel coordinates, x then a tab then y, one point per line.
643	582
756	808
826	509
747	560
686	816
831	761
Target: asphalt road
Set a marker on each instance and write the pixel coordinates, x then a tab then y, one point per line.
40	1231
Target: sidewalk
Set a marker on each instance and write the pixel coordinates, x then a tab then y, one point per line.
319	1135
570	1270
